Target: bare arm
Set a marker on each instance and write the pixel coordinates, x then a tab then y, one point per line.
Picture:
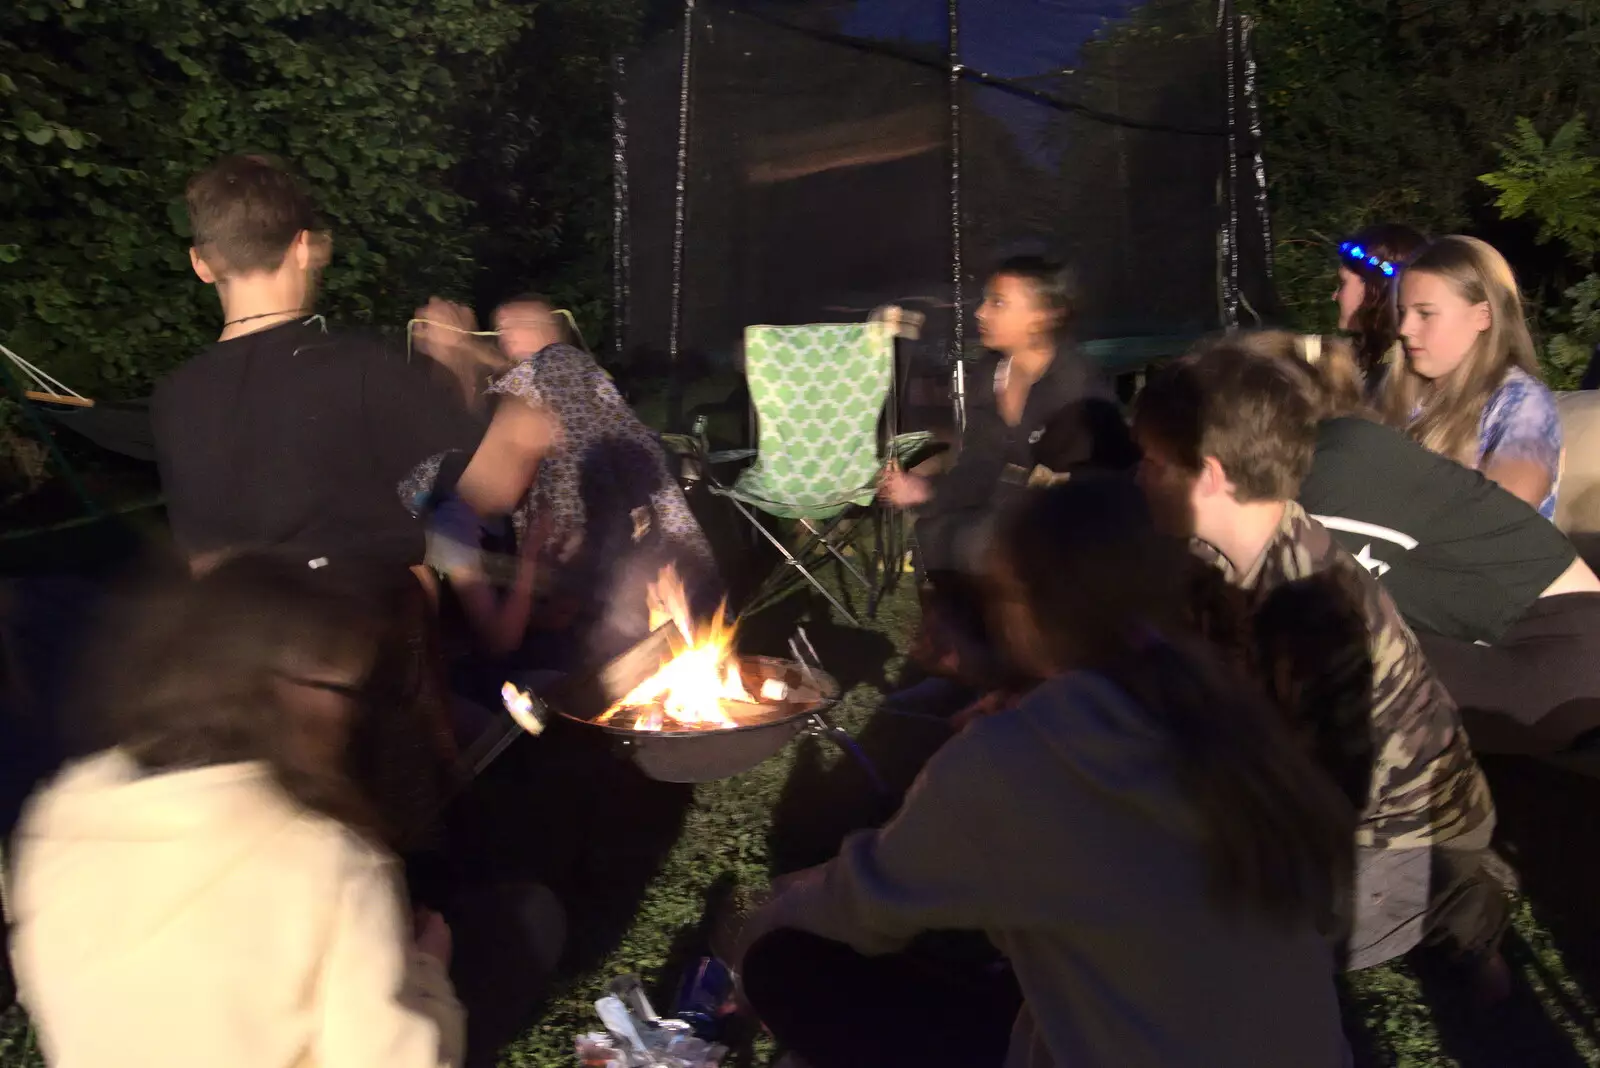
1525	479
503	467
500	623
446	333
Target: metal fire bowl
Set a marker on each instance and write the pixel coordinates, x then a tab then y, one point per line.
708	755
698	755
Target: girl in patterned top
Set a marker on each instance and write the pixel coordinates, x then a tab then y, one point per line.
1469	387
605	513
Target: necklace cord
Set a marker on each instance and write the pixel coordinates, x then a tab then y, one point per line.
262	315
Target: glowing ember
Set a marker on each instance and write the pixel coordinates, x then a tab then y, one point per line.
690	689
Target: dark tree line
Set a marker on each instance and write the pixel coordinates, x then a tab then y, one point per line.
455	146
1399	109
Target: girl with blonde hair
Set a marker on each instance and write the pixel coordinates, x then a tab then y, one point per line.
1506	611
1469	387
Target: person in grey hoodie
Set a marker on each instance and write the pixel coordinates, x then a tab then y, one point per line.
1141	839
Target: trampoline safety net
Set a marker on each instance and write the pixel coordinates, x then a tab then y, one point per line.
807	161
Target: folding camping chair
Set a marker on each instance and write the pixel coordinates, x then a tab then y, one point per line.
826	429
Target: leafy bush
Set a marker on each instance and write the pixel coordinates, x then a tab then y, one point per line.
1378	111
107	107
1556	183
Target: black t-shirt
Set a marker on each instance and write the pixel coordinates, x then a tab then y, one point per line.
995	454
1460	556
294	439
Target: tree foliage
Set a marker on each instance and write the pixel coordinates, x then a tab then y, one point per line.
1383	110
107	106
539	171
1556	184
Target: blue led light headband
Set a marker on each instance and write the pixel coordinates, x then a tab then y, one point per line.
1364	257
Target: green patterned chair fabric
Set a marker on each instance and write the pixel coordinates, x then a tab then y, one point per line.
819	393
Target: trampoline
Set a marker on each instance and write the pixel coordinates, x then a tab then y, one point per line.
805	161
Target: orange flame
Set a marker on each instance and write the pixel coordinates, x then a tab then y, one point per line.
701	674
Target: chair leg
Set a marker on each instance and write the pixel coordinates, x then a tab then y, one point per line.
826	539
794	563
883	528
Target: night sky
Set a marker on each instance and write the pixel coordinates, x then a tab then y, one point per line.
1007	38
1015	39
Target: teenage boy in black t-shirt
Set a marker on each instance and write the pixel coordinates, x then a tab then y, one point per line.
1506	611
285	438
282	436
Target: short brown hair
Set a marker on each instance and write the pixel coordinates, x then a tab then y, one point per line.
245	212
1254	414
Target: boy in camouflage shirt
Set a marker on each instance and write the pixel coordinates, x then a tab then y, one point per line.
1227	438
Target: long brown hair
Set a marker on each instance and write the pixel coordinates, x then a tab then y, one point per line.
1376	326
200	672
1107	593
1451	407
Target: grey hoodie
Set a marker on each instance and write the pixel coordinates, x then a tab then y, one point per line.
1057	828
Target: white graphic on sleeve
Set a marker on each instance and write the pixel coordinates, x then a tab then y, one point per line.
1404	542
1370	562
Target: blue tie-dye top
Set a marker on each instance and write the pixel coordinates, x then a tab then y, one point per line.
1520	422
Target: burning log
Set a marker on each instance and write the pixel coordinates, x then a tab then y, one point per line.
698	682
683	705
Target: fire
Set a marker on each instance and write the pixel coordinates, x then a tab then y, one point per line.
690	689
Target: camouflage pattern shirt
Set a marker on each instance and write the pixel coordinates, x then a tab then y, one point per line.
1425	786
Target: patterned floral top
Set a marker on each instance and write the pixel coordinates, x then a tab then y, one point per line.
1520	422
610	469
608	484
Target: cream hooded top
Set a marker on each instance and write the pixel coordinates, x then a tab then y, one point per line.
201	918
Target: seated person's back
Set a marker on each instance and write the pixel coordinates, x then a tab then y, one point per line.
1460	556
1109	834
1228	436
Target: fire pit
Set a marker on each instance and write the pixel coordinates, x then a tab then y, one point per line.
682	704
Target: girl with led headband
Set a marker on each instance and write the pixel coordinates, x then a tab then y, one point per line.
1469	387
1370	262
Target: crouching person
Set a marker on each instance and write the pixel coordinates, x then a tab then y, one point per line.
1228	436
210	890
1139	836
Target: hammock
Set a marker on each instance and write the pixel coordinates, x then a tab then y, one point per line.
119	427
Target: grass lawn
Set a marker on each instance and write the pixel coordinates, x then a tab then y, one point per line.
638	861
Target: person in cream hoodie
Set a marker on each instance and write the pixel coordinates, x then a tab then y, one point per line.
208	891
